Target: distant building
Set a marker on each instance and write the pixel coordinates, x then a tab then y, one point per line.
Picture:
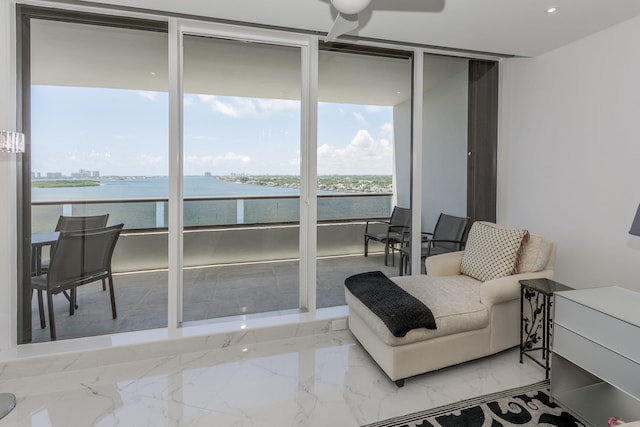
95	174
82	173
207	174
54	175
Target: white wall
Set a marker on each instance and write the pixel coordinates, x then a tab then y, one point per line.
569	151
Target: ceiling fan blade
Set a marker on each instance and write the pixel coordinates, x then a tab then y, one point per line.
342	25
409	5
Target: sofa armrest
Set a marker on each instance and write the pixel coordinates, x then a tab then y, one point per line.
507	288
444	264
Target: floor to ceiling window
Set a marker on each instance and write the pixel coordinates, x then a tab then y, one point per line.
364	161
241	177
98	146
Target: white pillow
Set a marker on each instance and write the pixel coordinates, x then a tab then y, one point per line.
535	254
492	251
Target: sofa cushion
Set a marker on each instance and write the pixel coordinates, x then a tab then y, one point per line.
492	251
535	254
453	300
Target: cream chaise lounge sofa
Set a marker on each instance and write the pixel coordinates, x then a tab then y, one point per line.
474	317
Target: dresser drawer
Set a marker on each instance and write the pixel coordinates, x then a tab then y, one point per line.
609	331
602	362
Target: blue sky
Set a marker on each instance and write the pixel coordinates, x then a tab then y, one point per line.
124	132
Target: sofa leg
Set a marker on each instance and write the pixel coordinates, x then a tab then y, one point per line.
399	383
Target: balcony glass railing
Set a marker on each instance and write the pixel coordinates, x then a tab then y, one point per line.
152	213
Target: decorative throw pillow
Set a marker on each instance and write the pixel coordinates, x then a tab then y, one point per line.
492	251
535	254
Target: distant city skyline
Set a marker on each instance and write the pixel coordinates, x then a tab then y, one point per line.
124	133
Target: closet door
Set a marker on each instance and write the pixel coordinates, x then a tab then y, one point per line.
483	140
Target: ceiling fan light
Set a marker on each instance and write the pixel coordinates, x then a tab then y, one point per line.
350	7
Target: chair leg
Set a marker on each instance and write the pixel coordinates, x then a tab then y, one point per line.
43	324
366	246
52	320
386	254
104	285
72	302
113	298
68	297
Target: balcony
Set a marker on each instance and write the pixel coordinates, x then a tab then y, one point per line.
240	258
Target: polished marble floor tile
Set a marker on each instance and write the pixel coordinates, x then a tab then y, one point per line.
316	380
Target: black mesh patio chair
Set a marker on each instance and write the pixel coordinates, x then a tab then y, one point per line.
448	236
77	223
391	235
77	258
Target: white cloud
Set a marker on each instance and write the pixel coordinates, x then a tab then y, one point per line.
148	94
244	106
278	104
296	160
215	160
386	130
236	106
360	118
363	155
373	108
203	138
146	160
218	106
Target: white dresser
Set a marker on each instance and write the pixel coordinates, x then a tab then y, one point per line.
596	353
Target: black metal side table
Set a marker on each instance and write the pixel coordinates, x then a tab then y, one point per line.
535	332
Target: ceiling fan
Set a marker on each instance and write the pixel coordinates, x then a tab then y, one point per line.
347	19
350	12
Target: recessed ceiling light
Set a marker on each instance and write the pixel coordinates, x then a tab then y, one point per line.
551	10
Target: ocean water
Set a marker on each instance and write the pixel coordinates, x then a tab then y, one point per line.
154	214
154	187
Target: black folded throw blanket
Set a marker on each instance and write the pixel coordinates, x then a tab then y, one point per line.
397	308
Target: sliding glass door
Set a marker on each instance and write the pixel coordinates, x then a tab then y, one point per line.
364	163
98	101
241	177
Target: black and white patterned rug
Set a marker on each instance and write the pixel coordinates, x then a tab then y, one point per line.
524	406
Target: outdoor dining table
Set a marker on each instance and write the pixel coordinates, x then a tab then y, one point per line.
39	241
